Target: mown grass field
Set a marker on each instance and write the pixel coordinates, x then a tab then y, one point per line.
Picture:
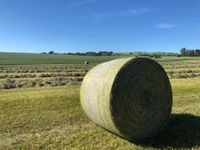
50	117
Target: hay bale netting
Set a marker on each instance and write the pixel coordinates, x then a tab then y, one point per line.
130	97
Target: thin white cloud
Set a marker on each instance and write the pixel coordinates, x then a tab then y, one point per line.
166	26
134	12
96	17
78	3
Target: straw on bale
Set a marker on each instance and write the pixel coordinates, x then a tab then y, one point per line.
130	97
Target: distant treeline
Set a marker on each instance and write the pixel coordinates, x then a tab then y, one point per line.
154	54
187	52
183	52
111	53
90	53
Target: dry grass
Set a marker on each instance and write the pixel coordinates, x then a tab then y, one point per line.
51	118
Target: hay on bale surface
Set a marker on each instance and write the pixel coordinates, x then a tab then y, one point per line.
130	97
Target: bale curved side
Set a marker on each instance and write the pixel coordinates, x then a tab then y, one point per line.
129	97
95	93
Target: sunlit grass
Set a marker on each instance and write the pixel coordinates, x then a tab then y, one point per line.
51	118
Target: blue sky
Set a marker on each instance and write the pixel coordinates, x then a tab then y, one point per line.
83	25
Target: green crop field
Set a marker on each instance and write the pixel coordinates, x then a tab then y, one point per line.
32	58
40	108
29	58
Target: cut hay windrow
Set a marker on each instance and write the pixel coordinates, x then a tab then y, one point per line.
130	97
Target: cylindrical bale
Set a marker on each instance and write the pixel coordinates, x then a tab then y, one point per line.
130	97
86	62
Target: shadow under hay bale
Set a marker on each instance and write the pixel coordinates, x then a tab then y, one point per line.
182	131
129	97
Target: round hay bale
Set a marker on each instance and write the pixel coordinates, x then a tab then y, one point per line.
129	97
86	62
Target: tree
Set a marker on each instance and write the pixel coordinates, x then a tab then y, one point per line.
192	52
43	53
51	52
197	52
184	51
